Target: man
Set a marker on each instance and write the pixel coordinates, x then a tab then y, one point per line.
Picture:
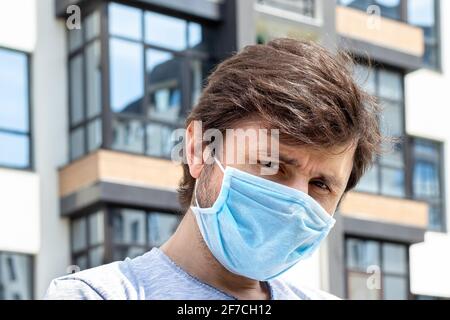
249	221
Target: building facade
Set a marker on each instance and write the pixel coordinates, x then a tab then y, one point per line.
86	117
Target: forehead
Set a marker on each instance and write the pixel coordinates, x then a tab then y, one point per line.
256	135
336	160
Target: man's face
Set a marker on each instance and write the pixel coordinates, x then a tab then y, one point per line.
322	174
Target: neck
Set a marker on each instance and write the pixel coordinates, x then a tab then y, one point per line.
187	249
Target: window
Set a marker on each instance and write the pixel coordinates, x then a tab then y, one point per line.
85	87
304	7
388	8
134	75
137	231
423	14
16	276
15	132
88	237
157	66
427	182
130	233
387	176
376	270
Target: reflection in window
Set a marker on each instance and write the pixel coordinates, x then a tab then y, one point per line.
93	78
85	88
16	276
369	181
157	66
92	23
125	21
388	175
77	143
164	85
422	13
96	256
175	31
15	150
129	226
88	238
394	258
129	233
362	254
395	287
357	286
159	139
427	182
76	90
128	135
393	182
96	228
390	259
127	67
390	85
136	231
79	234
161	227
75	39
94	130
14	110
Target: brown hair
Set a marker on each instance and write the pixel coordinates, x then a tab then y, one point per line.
298	87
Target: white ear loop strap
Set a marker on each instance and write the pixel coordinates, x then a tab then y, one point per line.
195	185
219	164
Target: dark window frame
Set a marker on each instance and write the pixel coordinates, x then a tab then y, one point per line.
436	43
107	116
380	243
29	134
85	215
187	56
31	269
374	68
411	162
81	51
108	243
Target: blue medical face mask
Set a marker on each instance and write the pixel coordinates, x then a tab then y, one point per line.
258	228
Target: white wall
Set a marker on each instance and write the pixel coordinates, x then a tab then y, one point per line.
29	213
19	211
427	115
50	125
17	24
430	265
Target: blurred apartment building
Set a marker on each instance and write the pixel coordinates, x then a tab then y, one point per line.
86	117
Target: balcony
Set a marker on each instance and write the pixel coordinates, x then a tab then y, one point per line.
121	178
386	40
385	209
299	19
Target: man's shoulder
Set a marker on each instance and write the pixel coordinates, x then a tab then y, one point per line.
110	281
286	289
117	280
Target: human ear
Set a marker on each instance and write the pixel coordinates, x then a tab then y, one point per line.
194	150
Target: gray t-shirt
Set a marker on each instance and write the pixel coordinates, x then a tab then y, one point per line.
155	276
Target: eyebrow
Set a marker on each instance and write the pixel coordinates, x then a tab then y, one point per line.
328	179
